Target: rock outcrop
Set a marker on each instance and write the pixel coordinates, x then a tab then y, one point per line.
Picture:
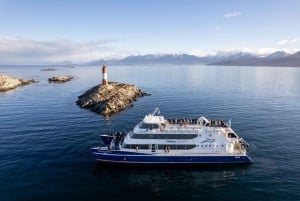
60	79
8	82
110	98
48	69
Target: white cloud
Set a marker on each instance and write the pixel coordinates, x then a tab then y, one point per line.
288	41
268	50
232	14
265	51
26	51
229	51
259	51
198	53
282	42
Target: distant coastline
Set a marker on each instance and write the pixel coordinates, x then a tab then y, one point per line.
274	59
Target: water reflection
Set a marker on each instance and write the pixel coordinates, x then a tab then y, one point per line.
160	180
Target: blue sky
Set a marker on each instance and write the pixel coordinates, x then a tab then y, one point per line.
79	30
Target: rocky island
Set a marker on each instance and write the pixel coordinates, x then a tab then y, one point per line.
48	69
8	82
60	79
110	98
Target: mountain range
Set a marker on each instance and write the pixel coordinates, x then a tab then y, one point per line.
278	58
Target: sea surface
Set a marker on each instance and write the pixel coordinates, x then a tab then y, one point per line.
45	138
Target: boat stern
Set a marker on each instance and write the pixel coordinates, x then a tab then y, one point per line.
106	139
249	159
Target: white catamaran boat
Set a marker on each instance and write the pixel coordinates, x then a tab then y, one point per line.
156	140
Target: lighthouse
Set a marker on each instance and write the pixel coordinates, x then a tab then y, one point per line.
104	75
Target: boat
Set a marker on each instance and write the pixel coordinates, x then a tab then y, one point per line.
159	141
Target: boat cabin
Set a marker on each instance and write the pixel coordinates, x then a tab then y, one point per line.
152	122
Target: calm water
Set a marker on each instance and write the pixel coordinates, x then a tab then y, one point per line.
45	137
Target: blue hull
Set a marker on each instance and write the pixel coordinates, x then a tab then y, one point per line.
115	156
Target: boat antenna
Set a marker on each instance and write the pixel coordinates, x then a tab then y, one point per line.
229	123
156	111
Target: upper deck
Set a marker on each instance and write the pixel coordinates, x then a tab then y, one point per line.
158	124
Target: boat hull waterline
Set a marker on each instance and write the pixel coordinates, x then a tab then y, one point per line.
133	158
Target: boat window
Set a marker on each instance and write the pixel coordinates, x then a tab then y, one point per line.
133	146
160	146
163	136
176	147
148	126
153	147
232	135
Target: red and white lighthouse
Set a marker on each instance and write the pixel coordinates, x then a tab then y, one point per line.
104	75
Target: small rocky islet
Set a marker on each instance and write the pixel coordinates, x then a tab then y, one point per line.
111	98
48	69
60	79
8	82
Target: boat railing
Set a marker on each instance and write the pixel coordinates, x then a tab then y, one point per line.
216	129
175	129
181	130
189	129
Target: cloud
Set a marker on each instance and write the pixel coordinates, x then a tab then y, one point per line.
232	14
198	53
229	51
259	51
287	41
266	51
282	42
26	51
